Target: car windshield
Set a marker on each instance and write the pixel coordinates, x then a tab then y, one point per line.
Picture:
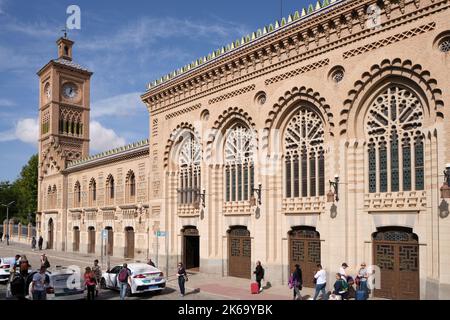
8	260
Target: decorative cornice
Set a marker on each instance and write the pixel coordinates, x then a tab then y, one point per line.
132	150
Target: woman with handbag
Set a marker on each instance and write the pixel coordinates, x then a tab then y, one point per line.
182	278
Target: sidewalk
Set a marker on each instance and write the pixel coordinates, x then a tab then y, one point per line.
236	288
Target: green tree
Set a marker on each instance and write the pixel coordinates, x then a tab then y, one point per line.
23	191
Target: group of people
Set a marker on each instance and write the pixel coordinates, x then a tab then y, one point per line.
342	289
20	278
39	242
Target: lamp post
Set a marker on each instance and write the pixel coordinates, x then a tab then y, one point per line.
7	220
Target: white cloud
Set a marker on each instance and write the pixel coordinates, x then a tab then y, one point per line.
26	130
146	30
6	103
103	138
121	105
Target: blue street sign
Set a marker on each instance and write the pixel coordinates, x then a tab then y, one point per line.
160	233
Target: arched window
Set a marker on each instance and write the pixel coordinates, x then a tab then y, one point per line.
189	171
395	148
92	192
110	190
130	187
239	164
49	197
304	155
54	196
77	195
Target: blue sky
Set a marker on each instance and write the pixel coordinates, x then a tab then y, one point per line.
125	43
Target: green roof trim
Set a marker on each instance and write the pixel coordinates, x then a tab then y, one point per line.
292	18
103	154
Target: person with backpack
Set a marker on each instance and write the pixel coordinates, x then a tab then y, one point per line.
341	287
124	280
90	282
297	282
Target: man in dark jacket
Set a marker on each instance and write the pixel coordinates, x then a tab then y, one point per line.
298	282
40	242
259	273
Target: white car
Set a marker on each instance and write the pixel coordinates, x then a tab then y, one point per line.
6	264
144	278
64	284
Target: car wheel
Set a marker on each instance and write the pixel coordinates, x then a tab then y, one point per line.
103	283
128	292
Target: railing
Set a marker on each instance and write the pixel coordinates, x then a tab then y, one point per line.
18	232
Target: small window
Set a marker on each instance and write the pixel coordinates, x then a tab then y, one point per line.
444	46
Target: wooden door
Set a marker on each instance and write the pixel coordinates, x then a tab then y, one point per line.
396	253
91	240
76	239
304	249
239	253
50	234
110	246
129	243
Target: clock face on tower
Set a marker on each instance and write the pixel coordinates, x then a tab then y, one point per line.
70	91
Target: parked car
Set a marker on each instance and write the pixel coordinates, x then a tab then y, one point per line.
144	278
6	264
61	285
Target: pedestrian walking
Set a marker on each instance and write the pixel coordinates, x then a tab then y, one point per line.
33	243
124	280
151	263
90	283
182	278
40	242
44	261
7	239
320	279
16	262
1	236
297	282
98	275
39	285
259	274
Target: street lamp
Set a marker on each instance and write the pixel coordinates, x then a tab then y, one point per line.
7	220
335	185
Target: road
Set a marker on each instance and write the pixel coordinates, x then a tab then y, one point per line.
83	260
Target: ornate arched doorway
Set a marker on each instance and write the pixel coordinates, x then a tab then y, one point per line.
110	241
191	247
304	249
91	240
239	252
76	239
129	243
396	253
50	234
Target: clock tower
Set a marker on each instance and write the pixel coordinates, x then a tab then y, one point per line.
64	108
